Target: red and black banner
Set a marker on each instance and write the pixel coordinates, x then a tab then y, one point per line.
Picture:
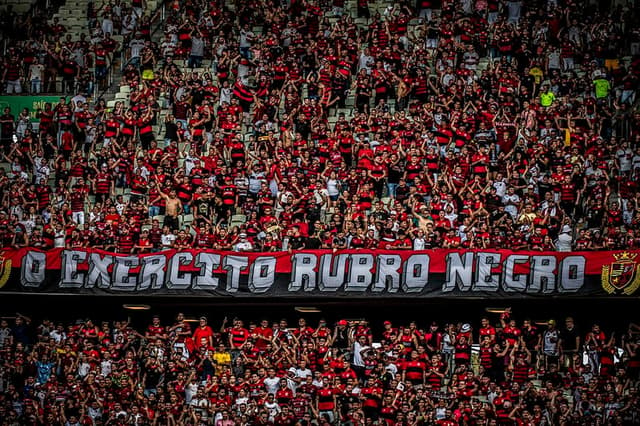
346	273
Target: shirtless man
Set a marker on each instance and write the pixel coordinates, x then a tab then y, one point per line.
423	216
173	208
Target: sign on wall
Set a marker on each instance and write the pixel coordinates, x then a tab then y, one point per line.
32	103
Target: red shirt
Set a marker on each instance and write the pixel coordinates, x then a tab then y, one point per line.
201	332
265	333
487	331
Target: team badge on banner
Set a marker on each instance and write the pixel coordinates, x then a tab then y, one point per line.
5	269
622	275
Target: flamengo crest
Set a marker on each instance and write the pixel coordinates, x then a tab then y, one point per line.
622	275
5	270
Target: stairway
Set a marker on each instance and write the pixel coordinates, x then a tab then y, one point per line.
73	15
122	92
115	92
17	6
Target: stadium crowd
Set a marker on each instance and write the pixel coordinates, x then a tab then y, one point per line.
471	124
503	373
436	123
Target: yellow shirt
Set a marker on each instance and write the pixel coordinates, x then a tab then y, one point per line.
221	359
526	217
546	99
537	74
602	88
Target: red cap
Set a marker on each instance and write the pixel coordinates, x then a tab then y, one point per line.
342	322
387	323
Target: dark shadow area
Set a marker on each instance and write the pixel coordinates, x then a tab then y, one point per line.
612	314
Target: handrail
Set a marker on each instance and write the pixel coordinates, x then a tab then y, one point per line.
163	16
109	81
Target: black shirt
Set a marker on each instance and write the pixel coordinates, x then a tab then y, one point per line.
569	339
7	126
21	333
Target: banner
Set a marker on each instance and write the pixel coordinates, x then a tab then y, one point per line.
347	273
33	103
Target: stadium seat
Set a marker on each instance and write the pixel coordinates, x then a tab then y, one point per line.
239	218
186	220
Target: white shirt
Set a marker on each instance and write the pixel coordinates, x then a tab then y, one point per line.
136	47
107	26
514	8
144	172
189	164
167	48
357	356
56	335
554	59
273	409
243	246
59	239
303	374
419	243
105	367
511	208
36	71
625	159
200	404
128	24
365	62
189	391
550	340
271	384
120	208
501	188
245	38
447	343
83	369
76	101
333	187
167	240
225	95
564	242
